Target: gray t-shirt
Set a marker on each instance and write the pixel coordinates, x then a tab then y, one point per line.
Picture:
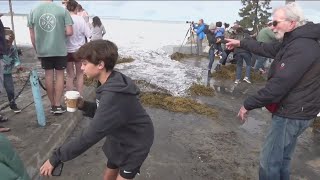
49	21
97	32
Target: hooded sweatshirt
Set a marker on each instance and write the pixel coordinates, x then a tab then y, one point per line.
294	76
118	115
2	40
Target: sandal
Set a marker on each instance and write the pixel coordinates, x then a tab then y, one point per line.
3	119
4	129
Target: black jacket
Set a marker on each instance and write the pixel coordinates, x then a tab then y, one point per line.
211	39
2	40
294	76
118	115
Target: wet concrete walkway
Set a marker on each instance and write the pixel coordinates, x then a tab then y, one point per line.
193	147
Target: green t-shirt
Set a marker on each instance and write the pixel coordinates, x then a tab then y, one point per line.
266	35
49	21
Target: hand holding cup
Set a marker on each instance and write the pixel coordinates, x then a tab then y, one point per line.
72	100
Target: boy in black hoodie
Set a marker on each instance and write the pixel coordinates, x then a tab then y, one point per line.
117	114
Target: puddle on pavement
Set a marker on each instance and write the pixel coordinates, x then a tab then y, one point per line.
253	126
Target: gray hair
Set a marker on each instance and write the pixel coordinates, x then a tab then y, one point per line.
293	12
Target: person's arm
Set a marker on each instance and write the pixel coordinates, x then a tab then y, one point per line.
296	62
87	30
269	50
16	58
31	30
89	108
200	29
108	117
68	22
33	38
69	30
103	31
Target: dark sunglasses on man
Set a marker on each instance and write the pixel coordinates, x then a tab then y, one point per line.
275	23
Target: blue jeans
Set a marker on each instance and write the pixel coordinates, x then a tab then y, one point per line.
240	57
260	62
211	58
279	146
8	85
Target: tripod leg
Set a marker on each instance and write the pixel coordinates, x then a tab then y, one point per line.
184	39
192	38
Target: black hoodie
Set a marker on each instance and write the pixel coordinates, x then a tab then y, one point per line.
118	115
294	76
2	40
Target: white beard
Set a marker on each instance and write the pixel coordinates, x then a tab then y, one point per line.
279	35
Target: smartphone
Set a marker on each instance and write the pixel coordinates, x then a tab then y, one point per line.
57	170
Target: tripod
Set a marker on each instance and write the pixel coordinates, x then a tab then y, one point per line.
190	29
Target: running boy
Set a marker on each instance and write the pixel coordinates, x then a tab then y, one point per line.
10	60
117	114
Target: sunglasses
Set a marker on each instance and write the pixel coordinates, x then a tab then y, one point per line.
275	23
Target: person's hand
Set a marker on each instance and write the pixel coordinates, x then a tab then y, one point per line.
46	169
243	114
232	43
80	102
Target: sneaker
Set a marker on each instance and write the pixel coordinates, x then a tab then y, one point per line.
58	109
237	81
218	67
246	79
262	71
51	109
15	109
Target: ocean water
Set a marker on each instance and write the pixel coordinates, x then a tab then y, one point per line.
145	41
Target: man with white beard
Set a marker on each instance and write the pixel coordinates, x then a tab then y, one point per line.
292	92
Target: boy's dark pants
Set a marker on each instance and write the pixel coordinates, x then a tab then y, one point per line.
8	85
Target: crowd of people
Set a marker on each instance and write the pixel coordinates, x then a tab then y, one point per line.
216	35
291	92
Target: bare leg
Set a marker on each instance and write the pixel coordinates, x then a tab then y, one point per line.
110	174
121	178
79	75
49	85
59	87
70	76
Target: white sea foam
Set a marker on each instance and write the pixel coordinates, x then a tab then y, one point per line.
144	41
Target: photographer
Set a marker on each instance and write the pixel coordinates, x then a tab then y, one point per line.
199	30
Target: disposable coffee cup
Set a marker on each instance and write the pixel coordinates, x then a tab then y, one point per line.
72	100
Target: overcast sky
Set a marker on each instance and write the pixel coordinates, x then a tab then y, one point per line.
210	11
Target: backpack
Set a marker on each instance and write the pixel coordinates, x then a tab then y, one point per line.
206	28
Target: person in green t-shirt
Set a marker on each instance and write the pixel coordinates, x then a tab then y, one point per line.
49	24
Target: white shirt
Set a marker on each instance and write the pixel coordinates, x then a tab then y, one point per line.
81	30
97	32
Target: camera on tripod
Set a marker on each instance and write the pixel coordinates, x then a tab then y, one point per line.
190	22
